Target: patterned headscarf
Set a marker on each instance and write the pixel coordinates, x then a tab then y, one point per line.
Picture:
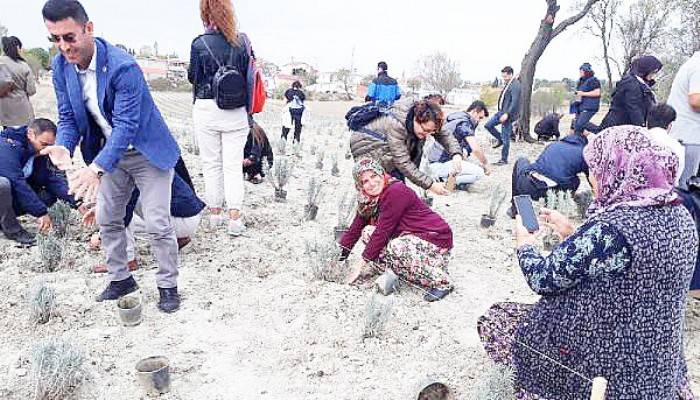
630	169
368	206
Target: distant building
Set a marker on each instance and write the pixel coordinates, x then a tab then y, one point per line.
163	68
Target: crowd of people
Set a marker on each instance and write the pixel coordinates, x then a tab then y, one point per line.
611	305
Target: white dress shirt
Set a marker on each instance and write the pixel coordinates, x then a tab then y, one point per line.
88	83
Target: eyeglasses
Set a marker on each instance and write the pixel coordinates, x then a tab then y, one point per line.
428	131
68	38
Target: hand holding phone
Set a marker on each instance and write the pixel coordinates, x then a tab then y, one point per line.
524	207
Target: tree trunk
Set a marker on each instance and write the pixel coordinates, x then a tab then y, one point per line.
546	33
607	66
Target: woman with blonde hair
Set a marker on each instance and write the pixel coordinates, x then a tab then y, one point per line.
220	109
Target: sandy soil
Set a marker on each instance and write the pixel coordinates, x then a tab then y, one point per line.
254	324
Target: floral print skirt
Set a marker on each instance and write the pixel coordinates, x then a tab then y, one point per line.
497	331
417	261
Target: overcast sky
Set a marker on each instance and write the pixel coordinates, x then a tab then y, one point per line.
483	36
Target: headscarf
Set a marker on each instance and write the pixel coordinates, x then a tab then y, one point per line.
630	169
645	65
587	69
368	206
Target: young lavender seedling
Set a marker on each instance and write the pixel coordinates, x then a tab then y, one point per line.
335	171
57	369
60	214
42	302
377	314
50	249
498	197
279	176
314	195
319	159
323	258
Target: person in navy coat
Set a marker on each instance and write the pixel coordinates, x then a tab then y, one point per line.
105	106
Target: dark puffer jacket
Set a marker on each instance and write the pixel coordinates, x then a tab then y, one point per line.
203	66
400	150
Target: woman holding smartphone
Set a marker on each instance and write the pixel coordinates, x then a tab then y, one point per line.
613	292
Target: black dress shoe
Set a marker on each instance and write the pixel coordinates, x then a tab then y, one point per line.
169	300
500	162
496	144
117	289
22	237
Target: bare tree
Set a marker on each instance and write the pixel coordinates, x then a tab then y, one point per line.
439	72
602	22
643	29
686	37
3	30
545	34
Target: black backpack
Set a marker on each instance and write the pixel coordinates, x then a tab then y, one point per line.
360	116
229	87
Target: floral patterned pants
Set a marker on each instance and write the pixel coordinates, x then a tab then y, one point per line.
417	261
497	331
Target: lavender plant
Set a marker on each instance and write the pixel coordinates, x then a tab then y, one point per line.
57	369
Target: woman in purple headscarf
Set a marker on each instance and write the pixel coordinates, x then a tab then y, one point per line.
632	98
613	292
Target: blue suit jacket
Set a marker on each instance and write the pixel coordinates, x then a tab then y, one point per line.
125	102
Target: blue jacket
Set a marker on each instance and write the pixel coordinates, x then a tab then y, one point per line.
383	90
45	179
562	161
184	202
587	85
126	104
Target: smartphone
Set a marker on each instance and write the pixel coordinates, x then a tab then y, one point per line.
523	205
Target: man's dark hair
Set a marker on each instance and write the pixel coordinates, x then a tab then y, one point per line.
479	106
296	85
435	98
661	116
41	125
508	70
58	10
382	65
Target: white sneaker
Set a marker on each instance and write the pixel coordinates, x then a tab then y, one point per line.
236	227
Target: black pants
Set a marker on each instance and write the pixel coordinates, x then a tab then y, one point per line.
296	114
691	201
523	183
8	218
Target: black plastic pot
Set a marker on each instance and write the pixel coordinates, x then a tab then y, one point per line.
280	195
487	221
310	211
339	231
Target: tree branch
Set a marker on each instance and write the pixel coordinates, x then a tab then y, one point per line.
573	19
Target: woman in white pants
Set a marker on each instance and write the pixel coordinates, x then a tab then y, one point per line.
221	133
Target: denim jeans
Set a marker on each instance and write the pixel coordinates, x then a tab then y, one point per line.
583	122
470	172
503	135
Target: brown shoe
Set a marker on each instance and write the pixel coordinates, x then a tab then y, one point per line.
133	265
182	242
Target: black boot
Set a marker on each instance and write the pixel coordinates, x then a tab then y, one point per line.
169	300
117	289
285	132
22	237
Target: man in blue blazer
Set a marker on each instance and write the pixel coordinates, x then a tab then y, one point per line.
105	106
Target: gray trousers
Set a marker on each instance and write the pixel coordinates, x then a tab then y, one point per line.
8	219
114	194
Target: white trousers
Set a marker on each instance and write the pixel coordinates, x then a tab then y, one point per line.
221	136
470	172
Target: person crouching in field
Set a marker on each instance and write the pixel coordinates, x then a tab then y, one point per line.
613	291
557	168
29	182
400	232
462	125
397	138
256	149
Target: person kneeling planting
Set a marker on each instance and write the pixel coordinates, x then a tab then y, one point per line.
400	231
